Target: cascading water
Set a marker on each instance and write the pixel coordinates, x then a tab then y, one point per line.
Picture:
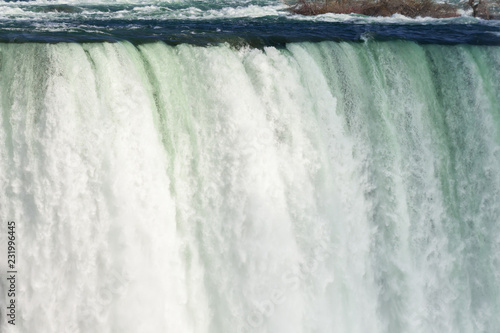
227	166
321	187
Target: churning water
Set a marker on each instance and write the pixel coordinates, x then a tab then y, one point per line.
252	181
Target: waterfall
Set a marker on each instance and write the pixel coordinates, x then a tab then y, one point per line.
318	187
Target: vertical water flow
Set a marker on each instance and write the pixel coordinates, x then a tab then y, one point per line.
317	188
84	177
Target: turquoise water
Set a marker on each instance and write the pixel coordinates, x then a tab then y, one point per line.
334	186
180	189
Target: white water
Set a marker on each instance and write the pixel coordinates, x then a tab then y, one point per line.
320	188
58	12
